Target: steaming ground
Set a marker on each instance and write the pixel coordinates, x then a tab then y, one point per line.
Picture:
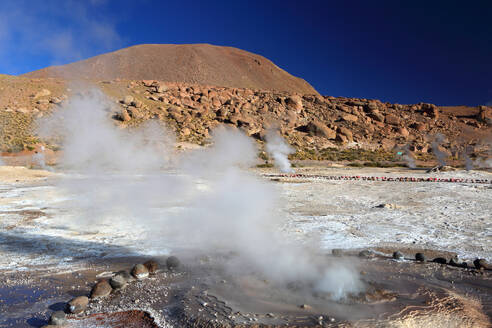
39	228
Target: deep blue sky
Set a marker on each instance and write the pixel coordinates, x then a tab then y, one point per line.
397	51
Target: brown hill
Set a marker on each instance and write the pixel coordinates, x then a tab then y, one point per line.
202	64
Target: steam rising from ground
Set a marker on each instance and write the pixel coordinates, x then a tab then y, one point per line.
440	155
408	157
209	202
279	150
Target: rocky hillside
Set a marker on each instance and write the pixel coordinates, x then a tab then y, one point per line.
193	64
318	127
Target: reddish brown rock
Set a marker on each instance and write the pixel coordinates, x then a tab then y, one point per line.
319	129
345	132
78	304
101	289
349	118
392	119
294	102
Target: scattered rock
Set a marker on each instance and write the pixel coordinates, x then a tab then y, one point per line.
418	126
120	279
349	118
337	252
346	132
160	88
305	306
420	257
128	100
137	103
397	255
389	206
392	119
455	261
152	266
42	93
440	260
172	262
101	289
125	117
320	130
366	253
139	271
294	102
78	304
403	131
482	264
58	318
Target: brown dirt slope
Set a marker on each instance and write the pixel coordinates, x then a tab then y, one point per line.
203	64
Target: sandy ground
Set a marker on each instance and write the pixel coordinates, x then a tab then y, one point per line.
37	251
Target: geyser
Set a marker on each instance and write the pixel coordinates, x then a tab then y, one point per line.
279	150
204	200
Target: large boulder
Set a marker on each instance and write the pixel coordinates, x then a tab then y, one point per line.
431	110
42	93
392	119
321	130
345	132
294	102
349	118
101	289
485	114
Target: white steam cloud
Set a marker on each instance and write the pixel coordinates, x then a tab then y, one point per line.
204	200
440	155
279	150
408	157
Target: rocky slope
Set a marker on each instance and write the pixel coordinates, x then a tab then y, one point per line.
190	63
318	127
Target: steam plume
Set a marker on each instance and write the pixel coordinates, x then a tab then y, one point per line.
440	155
408	157
212	203
279	150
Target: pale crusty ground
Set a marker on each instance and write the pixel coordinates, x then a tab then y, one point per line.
11	174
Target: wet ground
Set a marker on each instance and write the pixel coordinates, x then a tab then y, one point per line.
202	294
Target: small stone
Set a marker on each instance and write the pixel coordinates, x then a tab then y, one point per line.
482	264
128	100
397	255
172	262
420	257
78	304
305	306
137	103
120	279
139	271
152	266
58	318
337	252
365	253
101	289
440	260
455	261
270	315
42	93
